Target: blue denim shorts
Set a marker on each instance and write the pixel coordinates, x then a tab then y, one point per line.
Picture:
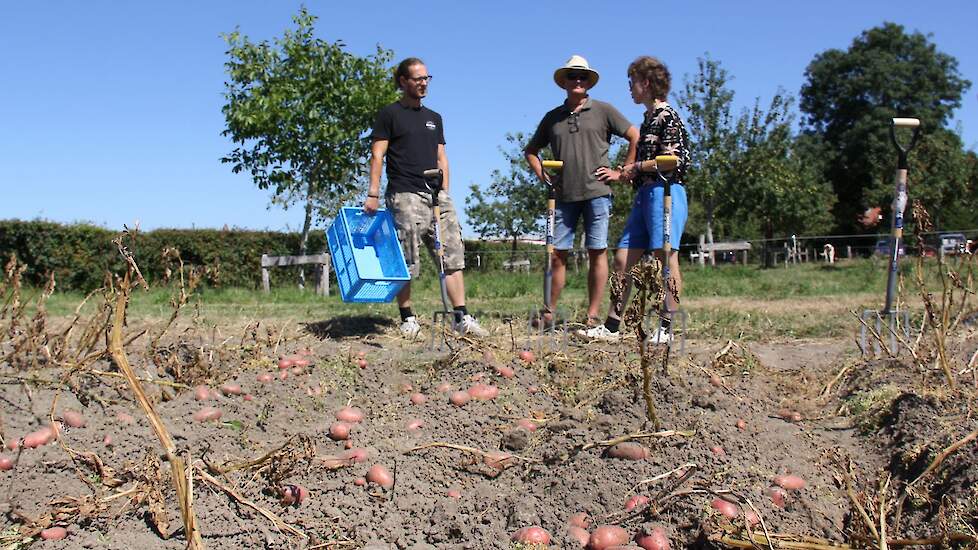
596	213
645	221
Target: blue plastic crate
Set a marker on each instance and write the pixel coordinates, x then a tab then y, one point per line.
367	257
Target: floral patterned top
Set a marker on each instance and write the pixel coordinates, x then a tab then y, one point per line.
663	133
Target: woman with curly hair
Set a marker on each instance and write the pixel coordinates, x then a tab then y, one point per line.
662	133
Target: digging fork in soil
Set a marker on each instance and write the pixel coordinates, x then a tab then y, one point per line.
891	322
443	322
541	331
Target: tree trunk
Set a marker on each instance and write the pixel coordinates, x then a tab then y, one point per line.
304	237
768	237
709	230
512	252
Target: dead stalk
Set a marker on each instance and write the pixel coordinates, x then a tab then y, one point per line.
279	523
177	466
639	435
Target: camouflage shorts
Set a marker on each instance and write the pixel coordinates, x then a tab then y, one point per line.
413	218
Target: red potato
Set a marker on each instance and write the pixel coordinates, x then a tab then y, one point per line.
790	482
789	415
532	390
629	451
527	356
231	389
283	375
381	476
350	415
405	387
607	536
718	451
248	397
301	363
418	398
297	371
54	533
454	493
355	455
39	437
107	440
624	547
339	431
362	363
504	371
726	507
579	534
265	378
293	495
202	393
6	463
347	444
751	518
778	496
359	482
286	362
444	387
13	444
415	425
715	380
459	398
741	425
657	540
483	392
527	424
580	519
73	419
533	534
635	501
207	414
498	460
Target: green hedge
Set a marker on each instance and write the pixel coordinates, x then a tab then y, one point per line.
79	255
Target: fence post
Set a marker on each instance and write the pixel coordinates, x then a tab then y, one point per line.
264	275
702	247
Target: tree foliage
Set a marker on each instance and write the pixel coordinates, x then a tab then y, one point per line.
298	110
850	97
707	99
513	205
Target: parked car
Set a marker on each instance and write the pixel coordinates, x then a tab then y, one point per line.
953	243
882	248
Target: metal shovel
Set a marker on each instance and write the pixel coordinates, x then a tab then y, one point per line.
891	319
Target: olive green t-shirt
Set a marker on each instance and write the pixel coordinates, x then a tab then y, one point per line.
581	140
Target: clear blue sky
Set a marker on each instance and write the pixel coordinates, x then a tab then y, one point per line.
111	111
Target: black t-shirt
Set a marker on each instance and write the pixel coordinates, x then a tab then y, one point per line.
413	137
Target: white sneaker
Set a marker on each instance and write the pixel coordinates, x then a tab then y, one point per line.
410	327
469	325
600	332
661	336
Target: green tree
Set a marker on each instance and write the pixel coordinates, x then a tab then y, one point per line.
298	111
777	174
707	99
514	203
850	97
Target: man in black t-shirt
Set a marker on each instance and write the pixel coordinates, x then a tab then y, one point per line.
412	139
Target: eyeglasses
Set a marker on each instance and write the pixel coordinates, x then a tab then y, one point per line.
583	77
420	79
572	120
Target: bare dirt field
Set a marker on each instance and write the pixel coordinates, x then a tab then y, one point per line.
796	444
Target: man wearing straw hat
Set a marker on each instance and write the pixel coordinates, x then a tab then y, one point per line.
578	133
411	138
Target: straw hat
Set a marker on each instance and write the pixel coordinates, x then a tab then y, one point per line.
575	63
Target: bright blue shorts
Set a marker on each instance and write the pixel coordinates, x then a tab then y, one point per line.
645	221
596	213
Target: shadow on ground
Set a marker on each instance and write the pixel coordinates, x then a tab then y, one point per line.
349	325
